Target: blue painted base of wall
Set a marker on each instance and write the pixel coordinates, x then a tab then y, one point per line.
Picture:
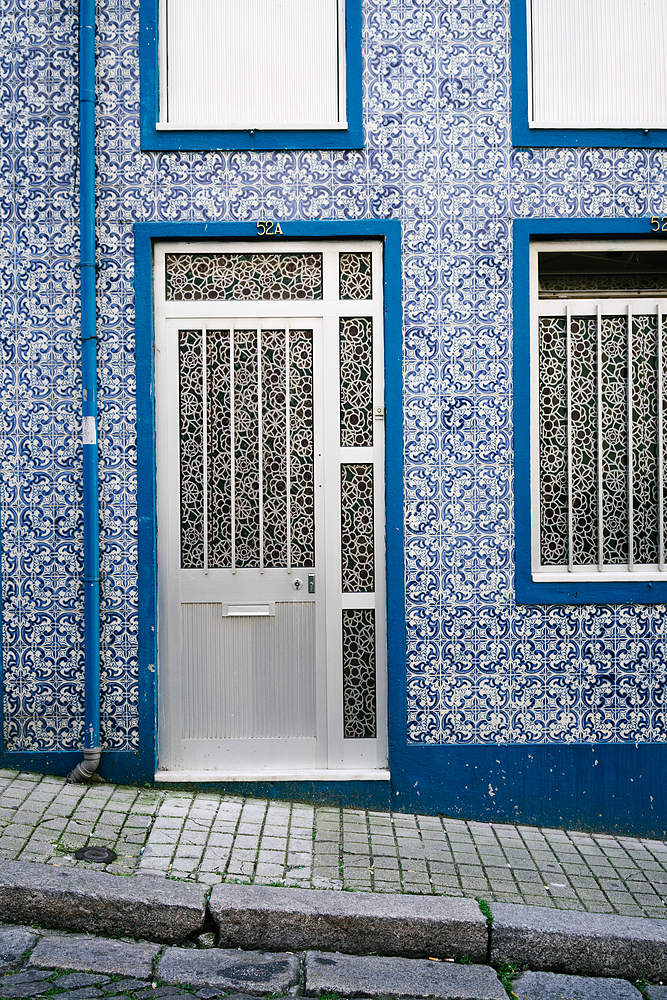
618	788
353	794
123	767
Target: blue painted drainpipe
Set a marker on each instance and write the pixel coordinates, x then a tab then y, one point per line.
91	504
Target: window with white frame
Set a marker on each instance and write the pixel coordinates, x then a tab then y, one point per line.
597	63
252	64
598	400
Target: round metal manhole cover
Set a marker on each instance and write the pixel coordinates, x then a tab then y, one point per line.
102	855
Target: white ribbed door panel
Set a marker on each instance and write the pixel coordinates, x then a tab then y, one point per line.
598	63
251	63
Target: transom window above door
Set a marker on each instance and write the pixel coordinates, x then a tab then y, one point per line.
599	384
251	74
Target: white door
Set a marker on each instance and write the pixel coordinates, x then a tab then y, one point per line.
270	447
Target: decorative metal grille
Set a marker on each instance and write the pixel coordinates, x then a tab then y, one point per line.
359	686
355	276
192	277
246	446
357	544
356	383
191	391
601	440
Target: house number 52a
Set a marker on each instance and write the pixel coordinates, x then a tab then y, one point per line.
655	224
265	227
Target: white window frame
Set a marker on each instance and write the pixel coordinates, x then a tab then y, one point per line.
601	573
166	126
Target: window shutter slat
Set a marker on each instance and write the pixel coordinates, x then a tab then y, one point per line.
252	63
599	63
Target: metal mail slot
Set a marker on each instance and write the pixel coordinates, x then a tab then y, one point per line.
249	610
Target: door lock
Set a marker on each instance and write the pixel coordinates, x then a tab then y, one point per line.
311	583
297	584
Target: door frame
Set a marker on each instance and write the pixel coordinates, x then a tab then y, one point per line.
388	231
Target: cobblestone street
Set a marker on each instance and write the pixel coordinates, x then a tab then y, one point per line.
211	839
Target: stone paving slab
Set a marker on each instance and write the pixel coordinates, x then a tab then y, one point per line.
355	976
597	944
261	917
254	972
550	986
13	942
657	992
100	903
89	954
211	839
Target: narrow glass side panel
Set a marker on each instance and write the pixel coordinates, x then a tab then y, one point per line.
191	421
615	438
219	483
356	276
359	686
302	471
584	440
246	449
645	438
553	442
197	277
357	528
356	383
274	445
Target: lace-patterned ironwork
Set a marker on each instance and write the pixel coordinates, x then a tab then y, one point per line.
359	686
645	438
192	277
302	470
357	528
191	421
615	439
355	276
553	442
356	383
246	449
583	390
218	434
274	445
583	395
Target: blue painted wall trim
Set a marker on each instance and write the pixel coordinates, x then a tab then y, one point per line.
613	788
124	766
527	591
390	232
151	138
522	135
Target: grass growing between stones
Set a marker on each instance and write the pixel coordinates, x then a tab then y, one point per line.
507	973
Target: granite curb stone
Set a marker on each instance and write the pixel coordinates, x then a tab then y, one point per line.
573	941
363	976
268	918
76	900
656	992
252	972
87	954
551	986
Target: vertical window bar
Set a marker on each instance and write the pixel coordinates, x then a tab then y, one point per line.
232	381
661	446
204	362
631	520
568	393
288	451
599	415
260	435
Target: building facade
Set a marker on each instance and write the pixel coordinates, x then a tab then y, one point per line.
381	394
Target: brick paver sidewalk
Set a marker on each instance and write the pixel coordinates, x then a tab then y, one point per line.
212	838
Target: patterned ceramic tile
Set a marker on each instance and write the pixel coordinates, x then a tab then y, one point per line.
438	157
